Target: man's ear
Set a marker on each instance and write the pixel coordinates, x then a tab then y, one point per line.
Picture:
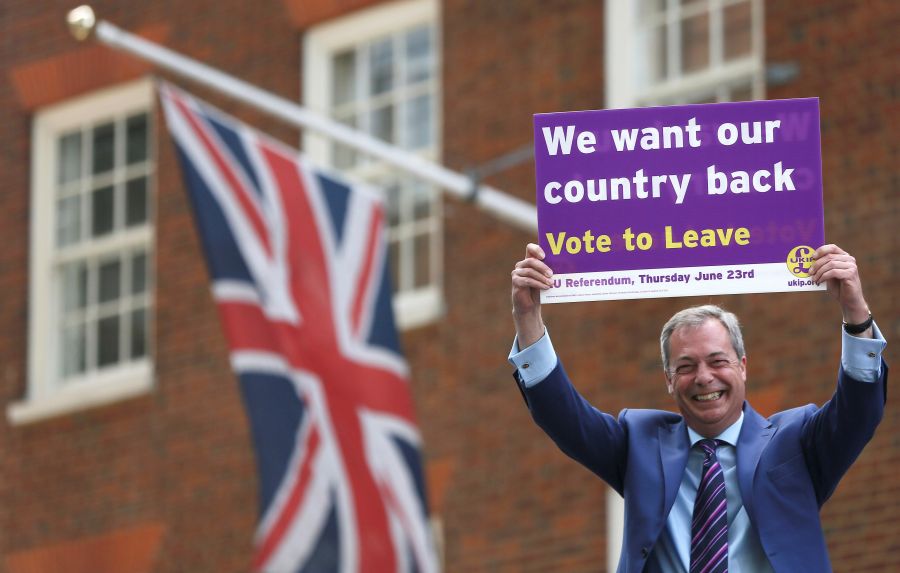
670	386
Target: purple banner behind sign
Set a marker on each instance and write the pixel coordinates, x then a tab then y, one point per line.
749	173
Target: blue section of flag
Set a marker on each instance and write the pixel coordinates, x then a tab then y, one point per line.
384	332
414	463
218	241
337	195
233	143
276	413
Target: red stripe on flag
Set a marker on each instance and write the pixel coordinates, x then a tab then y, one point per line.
247	328
310	281
363	290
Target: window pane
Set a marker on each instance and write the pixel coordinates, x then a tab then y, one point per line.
692	2
342	156
110	279
392	204
72	351
139	273
423	260
657	54
741	93
738	36
104	147
423	197
108	340
344	78
695	43
68	221
418	123
381	66
74	286
69	167
394	255
136	201
138	333
102	211
382	123
418	54
136	140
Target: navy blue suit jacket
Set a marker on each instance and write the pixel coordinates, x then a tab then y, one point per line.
788	465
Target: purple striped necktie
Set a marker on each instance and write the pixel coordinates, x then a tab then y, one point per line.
709	526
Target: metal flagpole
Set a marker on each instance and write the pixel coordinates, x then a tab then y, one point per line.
82	23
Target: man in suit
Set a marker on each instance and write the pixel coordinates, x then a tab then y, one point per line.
718	487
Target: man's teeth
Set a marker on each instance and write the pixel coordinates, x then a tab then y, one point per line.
707	397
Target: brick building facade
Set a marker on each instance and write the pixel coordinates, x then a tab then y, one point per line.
161	477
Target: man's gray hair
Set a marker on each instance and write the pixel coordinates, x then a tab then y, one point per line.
695	316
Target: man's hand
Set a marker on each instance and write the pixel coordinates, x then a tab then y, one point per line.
529	278
838	270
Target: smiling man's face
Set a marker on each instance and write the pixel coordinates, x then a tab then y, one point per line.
706	377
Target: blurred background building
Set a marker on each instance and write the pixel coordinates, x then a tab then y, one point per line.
125	447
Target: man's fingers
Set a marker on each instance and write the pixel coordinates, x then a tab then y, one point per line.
822	266
533	263
526	276
534	250
829	249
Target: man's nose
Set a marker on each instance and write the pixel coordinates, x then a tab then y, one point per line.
704	374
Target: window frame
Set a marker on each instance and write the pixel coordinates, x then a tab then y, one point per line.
419	305
46	395
624	50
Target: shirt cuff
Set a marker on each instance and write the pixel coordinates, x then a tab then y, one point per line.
861	357
535	362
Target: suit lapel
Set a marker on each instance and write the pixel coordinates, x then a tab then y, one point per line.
674	446
756	433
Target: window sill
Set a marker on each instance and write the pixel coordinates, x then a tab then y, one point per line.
418	308
120	384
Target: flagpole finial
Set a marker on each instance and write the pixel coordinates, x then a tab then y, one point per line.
81	21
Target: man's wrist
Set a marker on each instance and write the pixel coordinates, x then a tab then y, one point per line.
862	329
529	327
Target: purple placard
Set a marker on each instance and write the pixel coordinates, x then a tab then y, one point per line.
679	201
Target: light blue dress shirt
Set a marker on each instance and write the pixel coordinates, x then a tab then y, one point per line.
860	358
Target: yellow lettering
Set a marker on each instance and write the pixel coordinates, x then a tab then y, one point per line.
708	237
690	239
726	238
556	246
670	244
603	243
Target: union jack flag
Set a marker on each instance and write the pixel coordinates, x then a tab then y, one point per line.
299	273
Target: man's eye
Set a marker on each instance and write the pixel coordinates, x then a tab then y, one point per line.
685	369
721	363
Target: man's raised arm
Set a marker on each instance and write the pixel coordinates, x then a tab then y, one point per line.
530	276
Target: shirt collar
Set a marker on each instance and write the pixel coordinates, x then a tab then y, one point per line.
729	435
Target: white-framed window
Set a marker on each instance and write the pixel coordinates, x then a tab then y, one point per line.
90	290
664	52
378	70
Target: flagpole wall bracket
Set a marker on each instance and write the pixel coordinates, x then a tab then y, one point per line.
81	22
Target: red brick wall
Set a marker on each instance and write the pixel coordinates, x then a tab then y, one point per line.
507	499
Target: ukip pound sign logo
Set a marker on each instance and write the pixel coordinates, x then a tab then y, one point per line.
799	261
